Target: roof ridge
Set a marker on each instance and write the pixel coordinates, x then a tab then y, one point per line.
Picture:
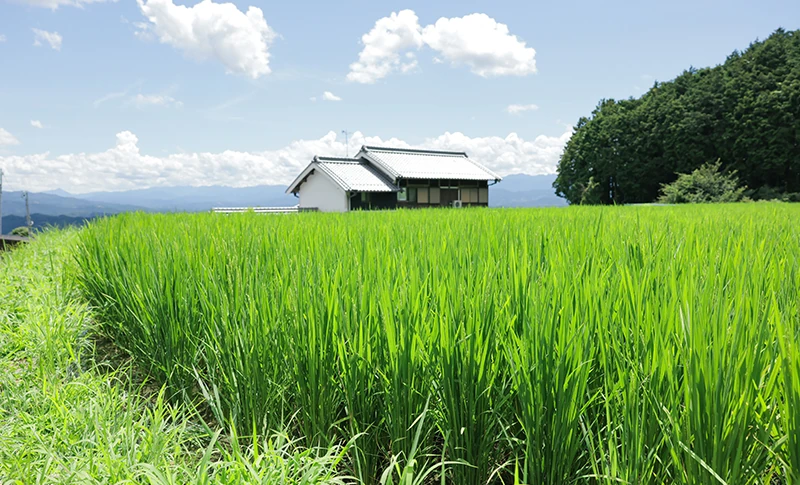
412	150
338	159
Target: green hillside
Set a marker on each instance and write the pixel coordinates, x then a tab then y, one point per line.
745	112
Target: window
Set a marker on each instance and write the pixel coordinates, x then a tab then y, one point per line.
483	195
412	194
434	195
364	197
422	195
402	196
469	195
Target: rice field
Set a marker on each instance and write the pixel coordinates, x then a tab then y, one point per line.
640	345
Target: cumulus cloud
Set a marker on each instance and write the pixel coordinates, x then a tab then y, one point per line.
329	96
42	36
54	4
124	167
508	155
483	44
208	30
37	124
383	45
144	100
520	108
7	138
477	41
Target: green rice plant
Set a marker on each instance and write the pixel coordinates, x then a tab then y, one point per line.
790	410
788	397
474	384
721	433
361	352
587	344
72	411
551	361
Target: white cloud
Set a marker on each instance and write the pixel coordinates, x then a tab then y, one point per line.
476	40
54	4
7	138
124	167
408	66
110	96
520	108
383	45
2	38
144	100
508	155
481	43
37	124
208	30
52	38
329	96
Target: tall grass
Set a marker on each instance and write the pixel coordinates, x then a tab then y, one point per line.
594	345
70	413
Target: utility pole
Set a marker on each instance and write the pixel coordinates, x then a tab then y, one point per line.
346	146
1	201
28	222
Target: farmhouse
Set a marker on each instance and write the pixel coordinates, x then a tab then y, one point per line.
388	178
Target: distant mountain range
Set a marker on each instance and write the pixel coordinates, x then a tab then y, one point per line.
58	207
196	199
525	191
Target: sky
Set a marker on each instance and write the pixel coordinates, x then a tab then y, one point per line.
118	95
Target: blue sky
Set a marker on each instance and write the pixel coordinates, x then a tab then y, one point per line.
134	94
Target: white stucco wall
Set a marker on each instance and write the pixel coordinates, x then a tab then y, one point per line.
319	191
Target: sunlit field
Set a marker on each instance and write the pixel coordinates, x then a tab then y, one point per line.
591	345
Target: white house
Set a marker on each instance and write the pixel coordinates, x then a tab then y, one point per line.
387	178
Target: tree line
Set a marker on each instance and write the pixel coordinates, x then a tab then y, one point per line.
743	114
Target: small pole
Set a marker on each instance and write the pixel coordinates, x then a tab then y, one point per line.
28	222
1	201
346	145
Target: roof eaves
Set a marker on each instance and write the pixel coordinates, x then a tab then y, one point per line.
299	179
496	177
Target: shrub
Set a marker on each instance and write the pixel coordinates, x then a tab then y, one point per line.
21	231
705	184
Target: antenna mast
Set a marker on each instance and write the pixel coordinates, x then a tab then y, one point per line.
346	145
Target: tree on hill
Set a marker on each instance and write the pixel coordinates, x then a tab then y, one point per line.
744	113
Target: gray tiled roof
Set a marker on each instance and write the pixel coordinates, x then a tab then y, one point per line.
354	175
427	164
